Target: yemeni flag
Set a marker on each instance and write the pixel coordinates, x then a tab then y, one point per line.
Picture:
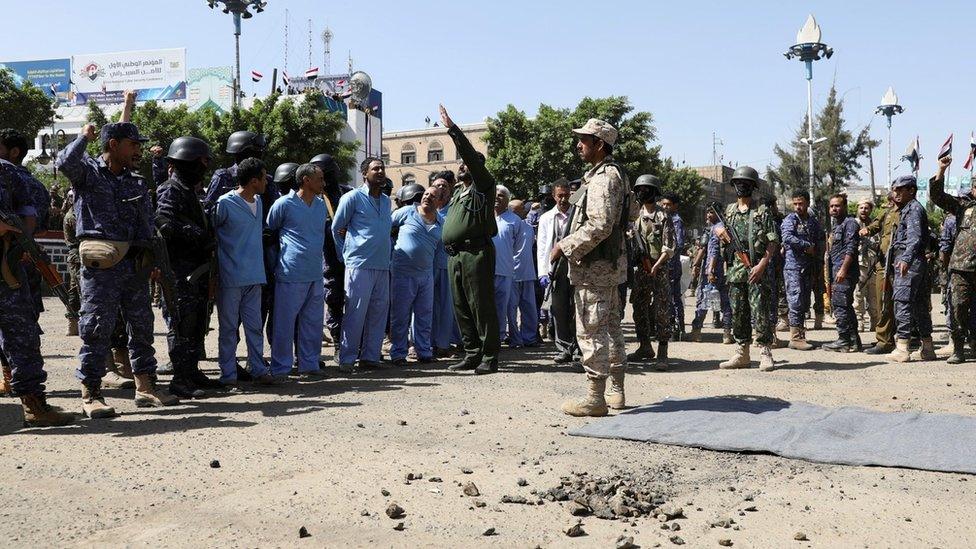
256	76
312	73
912	155
972	152
946	149
284	78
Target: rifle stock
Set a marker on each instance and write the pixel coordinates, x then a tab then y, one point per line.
39	258
733	239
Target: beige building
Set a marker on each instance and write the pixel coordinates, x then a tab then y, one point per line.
412	155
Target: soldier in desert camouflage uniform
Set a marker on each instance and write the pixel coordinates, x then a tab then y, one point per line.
597	264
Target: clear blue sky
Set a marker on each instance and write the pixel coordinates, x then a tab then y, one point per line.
698	67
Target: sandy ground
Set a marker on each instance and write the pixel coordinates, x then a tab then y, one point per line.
320	454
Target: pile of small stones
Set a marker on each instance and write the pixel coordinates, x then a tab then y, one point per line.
619	496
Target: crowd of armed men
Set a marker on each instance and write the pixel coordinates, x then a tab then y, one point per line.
455	269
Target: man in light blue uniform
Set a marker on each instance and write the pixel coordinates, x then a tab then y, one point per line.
299	299
361	229
507	240
419	233
240	251
522	299
445	333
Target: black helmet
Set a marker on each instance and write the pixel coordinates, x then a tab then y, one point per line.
545	189
327	164
747	173
241	141
285	174
188	149
408	194
649	182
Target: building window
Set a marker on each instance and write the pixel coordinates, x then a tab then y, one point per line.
385	155
435	152
409	179
408	154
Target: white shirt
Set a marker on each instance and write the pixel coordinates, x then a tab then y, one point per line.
551	222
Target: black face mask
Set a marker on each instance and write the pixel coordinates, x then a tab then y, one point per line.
190	173
645	196
743	189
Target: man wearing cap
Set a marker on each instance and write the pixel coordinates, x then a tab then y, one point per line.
467	233
113	212
652	295
190	243
747	257
962	261
910	285
361	229
553	227
801	233
597	258
883	228
865	296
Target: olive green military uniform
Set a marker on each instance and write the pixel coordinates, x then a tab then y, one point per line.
884	330
651	297
467	233
962	262
597	258
751	303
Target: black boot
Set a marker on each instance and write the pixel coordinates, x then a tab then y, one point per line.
464	365
837	344
958	355
486	368
563	357
201	380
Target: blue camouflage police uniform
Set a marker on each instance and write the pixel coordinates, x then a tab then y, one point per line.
223	181
19	333
910	292
40	198
798	234
118	208
844	241
713	253
677	292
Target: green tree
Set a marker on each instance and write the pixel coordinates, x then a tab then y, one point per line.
687	184
525	153
836	160
25	108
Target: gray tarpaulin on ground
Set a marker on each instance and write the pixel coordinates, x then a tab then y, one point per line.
847	435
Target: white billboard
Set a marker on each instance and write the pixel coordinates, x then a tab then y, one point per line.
154	74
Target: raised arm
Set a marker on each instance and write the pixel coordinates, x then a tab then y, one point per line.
71	161
483	180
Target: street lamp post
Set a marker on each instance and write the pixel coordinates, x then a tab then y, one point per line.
889	107
239	9
809	48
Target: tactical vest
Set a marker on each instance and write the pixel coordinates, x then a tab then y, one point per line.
608	249
652	231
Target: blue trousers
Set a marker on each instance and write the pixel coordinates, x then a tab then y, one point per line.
521	301
20	340
297	306
412	296
103	292
842	305
503	289
702	307
677	294
798	289
364	319
444	329
910	294
236	306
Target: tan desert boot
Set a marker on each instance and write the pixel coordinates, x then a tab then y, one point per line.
727	338
72	327
766	362
592	405
798	339
148	396
740	358
927	352
614	394
900	354
38	413
92	403
122	364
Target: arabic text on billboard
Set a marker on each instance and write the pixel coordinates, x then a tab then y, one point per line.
158	75
44	73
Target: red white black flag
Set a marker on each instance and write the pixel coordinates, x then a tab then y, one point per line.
256	76
946	149
312	73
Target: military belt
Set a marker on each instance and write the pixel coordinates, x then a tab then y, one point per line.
470	245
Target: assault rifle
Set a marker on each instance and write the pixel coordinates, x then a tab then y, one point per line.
167	278
733	239
39	258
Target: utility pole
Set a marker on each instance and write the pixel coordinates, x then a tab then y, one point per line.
874	193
